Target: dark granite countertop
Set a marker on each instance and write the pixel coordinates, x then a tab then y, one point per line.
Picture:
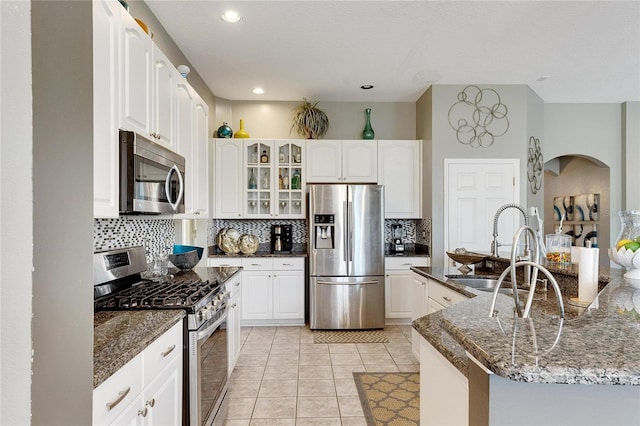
119	336
215	252
594	345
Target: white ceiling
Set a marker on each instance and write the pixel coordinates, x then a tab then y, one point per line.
325	50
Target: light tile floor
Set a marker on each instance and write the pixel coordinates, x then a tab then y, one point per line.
283	378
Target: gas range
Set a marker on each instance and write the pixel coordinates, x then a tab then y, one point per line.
119	286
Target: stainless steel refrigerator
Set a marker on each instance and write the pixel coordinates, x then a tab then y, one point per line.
346	256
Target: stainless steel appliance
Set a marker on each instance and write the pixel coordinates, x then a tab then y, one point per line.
397	245
118	285
281	238
346	259
151	176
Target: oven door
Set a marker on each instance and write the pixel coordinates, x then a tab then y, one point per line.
208	373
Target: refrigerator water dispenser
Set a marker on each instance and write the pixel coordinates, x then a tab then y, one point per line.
324	231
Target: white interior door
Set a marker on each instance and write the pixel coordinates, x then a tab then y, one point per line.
474	190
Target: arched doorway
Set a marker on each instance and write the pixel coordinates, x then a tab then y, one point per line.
573	175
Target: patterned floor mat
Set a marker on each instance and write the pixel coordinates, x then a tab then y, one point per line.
349	336
389	399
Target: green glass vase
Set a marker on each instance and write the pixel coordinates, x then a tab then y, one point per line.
368	132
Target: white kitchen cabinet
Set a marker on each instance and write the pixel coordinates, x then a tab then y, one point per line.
398	287
273	291
201	177
444	390
258	178
289	185
288	289
136	71
400	171
442	295
148	389
246	187
192	142
342	161
233	321
106	87
228	182
148	86
419	308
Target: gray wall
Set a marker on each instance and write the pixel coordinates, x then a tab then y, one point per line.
631	155
593	131
16	213
513	144
390	120
62	382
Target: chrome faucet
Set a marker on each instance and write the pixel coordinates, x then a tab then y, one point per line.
495	244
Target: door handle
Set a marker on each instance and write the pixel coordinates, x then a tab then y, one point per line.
167	187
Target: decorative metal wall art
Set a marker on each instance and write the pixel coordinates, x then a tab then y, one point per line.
478	117
535	164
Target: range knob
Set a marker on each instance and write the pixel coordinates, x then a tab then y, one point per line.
204	314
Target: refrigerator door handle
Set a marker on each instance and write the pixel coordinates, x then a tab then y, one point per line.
347	283
345	207
351	223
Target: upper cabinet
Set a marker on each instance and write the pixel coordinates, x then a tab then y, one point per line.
259	178
148	86
191	137
400	171
228	182
136	88
342	161
106	88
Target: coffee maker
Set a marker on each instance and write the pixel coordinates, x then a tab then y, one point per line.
397	245
281	239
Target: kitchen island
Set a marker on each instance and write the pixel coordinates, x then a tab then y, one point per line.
514	365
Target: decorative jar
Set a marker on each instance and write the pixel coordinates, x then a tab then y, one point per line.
225	131
626	252
241	133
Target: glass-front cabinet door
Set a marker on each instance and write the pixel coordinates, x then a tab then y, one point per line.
258	178
289	179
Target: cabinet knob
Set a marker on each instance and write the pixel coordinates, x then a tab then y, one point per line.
152	402
143	412
448	299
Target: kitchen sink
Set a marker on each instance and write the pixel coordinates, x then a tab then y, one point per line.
486	284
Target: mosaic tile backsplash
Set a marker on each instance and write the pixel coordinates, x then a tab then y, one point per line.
158	234
154	234
414	231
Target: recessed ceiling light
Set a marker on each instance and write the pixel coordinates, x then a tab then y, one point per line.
231	16
258	91
366	86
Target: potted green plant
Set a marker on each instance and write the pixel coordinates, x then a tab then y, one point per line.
309	121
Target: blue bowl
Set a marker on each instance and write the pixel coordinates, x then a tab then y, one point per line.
179	249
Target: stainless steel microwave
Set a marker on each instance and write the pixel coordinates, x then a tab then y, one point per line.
151	176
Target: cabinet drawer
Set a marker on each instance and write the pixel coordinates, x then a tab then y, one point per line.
444	296
233	285
292	263
257	264
117	392
162	351
402	263
224	261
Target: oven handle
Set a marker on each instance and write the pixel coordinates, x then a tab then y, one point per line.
167	187
207	332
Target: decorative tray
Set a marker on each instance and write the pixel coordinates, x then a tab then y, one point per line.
466	258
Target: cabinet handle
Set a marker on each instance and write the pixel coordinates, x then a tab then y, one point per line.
143	412
287	264
167	352
152	402
237	284
448	299
407	264
234	305
121	395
